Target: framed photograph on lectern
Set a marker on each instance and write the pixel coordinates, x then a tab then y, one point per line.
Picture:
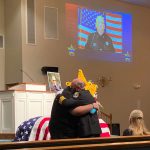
54	81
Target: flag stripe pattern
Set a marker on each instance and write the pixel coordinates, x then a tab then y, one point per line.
37	129
104	127
114	30
86	25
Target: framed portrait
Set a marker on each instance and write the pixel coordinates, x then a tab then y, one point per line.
54	81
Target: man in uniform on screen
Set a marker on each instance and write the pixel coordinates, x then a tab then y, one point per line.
99	40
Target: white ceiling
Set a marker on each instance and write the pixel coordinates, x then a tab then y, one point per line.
145	3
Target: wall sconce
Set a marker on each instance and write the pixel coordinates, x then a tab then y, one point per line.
137	86
103	81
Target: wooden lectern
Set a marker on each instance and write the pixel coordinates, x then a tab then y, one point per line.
22	102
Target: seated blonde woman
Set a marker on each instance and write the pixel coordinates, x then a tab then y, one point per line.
136	124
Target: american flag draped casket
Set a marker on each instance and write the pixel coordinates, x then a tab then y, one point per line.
37	129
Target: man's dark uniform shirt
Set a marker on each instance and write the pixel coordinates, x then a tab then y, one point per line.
127	132
88	124
65	125
99	42
62	123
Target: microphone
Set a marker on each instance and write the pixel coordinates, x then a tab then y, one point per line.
26	74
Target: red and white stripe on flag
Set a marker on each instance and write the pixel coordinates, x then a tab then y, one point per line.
104	128
40	130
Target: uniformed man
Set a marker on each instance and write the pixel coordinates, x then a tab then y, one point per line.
99	40
67	112
88	124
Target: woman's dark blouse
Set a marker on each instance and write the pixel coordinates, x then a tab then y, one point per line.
127	132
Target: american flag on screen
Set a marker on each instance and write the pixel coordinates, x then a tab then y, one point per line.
86	25
33	129
36	129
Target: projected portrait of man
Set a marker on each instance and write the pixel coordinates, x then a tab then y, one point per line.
99	40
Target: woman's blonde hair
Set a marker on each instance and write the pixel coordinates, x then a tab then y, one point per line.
137	125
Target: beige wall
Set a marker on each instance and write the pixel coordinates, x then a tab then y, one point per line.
119	97
2	51
13	42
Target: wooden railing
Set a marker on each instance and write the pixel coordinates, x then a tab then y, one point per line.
142	145
82	142
7	135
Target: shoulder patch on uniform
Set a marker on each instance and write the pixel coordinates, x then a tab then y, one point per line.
61	99
76	95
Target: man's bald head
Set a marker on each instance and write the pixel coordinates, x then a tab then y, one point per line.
78	84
